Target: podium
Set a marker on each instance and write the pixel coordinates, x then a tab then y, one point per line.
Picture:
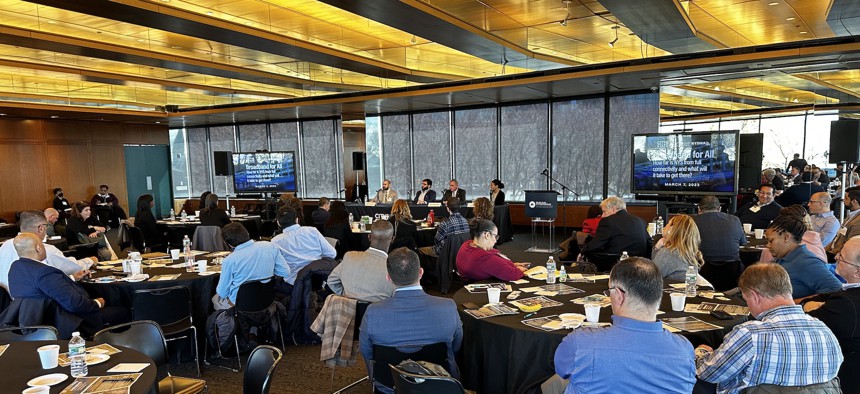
541	207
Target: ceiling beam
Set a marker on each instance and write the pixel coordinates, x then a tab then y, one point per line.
826	84
664	24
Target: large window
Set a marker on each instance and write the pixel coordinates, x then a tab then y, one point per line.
628	115
577	147
817	149
373	143
179	164
397	160
475	150
285	138
783	137
221	138
523	149
431	138
321	174
252	137
198	161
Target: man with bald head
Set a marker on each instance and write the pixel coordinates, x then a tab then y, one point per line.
51	215
823	221
361	275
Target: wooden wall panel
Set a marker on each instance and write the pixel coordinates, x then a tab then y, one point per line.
576	214
70	167
20	130
353	141
22	170
104	159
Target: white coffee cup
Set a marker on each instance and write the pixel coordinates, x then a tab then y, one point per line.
197	214
759	233
37	390
201	266
48	355
747	228
134	265
493	295
174	254
592	313
678	301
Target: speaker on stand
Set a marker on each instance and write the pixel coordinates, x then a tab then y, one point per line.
359	164
844	148
223	163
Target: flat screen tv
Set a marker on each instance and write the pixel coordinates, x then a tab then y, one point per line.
686	163
266	172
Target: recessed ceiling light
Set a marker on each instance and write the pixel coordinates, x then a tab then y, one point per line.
803	32
52	22
790	18
140	40
176	47
773	3
2	114
54	116
208	12
157	122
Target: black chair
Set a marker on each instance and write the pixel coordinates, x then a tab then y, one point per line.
384	356
138	241
723	275
170	307
581	267
31	333
603	262
410	383
5	299
446	264
82	251
258	372
146	337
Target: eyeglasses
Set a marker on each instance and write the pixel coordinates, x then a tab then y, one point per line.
839	258
608	291
493	234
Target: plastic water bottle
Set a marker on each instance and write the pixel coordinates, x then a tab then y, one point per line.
78	355
659	225
351	219
431	218
172	214
233	211
550	270
189	258
562	274
184	215
624	256
690	279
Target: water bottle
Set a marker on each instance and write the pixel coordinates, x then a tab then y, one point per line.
431	218
624	256
690	279
351	219
233	211
550	270
562	274
172	214
78	355
659	225
184	215
189	258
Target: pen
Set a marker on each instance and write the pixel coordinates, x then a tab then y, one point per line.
529	315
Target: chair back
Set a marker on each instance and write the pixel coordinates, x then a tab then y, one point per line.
332	241
144	336
137	239
5	299
208	238
446	263
165	306
256	295
81	251
410	383
268	228
259	369
31	333
360	309
603	262
723	275
383	356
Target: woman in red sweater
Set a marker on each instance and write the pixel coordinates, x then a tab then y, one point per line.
478	260
592	218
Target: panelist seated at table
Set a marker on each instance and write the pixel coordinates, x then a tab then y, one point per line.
497	196
759	213
29	278
106	205
61	204
251	260
385	195
618	231
82	228
783	346
635	354
478	260
363	275
425	194
809	274
405	229
454	191
212	215
410	318
299	245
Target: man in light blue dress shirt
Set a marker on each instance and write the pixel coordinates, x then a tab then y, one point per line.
300	245
823	220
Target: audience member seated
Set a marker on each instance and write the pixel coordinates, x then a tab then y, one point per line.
482	209
290	201
34	222
800	193
454	191
51	215
29	278
410	317
840	311
202	205
337	227
61	204
770	176
405	229
426	194
810	238
386	195
478	260
678	249
621	358
783	346
592	219
721	233
145	220
211	215
107	207
299	246
81	228
251	260
809	274
619	231
851	226
363	275
824	222
455	224
497	196
760	213
321	214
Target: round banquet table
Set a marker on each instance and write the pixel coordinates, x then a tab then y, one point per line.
502	355
360	240
21	363
751	252
176	229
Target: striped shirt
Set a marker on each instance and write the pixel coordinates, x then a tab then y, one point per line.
784	347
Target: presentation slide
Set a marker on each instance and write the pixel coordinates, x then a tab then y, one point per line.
264	172
685	163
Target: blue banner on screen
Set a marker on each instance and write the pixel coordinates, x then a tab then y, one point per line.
264	172
687	163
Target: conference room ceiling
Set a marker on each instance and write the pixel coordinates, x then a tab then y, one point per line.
189	62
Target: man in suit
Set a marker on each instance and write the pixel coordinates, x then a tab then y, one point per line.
761	212
801	192
619	231
851	227
454	191
721	233
426	194
363	275
410	318
385	195
29	278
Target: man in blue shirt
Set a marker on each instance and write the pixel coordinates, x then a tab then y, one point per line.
635	354
823	220
809	274
249	261
455	224
300	245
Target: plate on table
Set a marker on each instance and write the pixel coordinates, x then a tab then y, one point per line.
96	358
105	279
207	273
137	278
48	380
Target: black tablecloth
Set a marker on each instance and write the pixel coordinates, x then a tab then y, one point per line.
21	363
501	215
360	241
751	252
8	230
502	355
177	231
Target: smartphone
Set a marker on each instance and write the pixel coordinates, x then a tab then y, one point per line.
471	305
721	315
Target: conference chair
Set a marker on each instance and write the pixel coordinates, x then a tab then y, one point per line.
138	241
208	238
410	383
31	333
385	356
723	275
259	369
446	264
170	307
146	337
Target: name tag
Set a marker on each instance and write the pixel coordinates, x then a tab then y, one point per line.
843	231
434	204
65	203
755	209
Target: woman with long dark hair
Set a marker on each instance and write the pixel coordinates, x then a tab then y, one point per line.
81	228
497	196
337	226
145	220
211	215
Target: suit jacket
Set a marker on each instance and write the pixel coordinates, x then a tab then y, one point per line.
98	199
722	234
412	317
798	194
429	197
381	198
849	229
500	198
620	232
461	194
362	276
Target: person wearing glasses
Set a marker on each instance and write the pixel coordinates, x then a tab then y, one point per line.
761	212
618	231
840	311
478	260
800	193
851	226
621	357
809	274
823	221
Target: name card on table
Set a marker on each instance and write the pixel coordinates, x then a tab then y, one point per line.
370	204
434	204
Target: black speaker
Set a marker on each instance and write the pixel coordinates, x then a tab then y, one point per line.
358	161
845	141
749	161
223	163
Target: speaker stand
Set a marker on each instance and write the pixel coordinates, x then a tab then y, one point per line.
227	194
